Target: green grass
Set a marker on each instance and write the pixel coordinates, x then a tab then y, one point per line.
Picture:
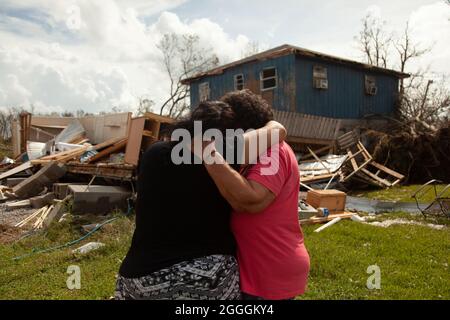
43	276
414	262
398	193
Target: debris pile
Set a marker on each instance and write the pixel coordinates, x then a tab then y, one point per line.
353	162
421	158
57	159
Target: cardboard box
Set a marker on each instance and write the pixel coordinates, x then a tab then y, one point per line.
333	200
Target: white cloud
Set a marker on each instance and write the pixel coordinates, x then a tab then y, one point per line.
430	25
109	59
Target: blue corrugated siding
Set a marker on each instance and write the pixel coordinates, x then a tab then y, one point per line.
345	97
282	97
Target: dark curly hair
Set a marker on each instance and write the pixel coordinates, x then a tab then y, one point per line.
213	115
251	110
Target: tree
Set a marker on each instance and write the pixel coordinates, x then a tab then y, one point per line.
145	105
251	49
423	102
183	56
374	41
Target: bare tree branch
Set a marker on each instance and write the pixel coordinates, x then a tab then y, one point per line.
183	56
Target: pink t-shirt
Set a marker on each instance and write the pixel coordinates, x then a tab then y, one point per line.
273	260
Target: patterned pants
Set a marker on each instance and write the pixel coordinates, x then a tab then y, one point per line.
214	277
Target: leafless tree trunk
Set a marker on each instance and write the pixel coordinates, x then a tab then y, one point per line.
183	57
374	41
6	117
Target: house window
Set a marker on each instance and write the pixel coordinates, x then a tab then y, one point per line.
370	85
204	91
268	78
239	82
320	77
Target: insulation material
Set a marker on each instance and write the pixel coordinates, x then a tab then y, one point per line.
36	150
73	131
332	162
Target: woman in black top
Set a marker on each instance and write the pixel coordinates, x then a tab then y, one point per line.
182	247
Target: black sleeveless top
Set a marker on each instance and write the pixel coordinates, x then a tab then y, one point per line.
180	215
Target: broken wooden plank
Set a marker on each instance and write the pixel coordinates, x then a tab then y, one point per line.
361	167
315	220
106	152
387	170
377	178
318	159
37	182
24	166
108	143
62	154
30	217
56	212
317	152
133	149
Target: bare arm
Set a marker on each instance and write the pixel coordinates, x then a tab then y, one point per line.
243	195
273	132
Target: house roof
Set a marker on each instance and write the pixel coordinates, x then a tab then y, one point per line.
287	50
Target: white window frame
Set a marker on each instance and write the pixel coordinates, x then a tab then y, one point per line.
262	79
201	93
236	81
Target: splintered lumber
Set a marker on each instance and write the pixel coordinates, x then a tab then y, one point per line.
33	185
317	152
106	152
108	143
62	154
318	159
39	222
18	169
75	154
315	220
56	212
30	217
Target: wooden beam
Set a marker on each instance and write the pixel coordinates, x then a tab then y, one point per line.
318	159
106	152
18	169
387	170
377	178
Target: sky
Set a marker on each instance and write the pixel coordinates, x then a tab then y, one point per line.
62	56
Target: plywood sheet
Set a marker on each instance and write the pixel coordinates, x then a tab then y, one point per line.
134	141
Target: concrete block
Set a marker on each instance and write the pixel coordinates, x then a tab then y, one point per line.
41	201
45	177
61	190
98	199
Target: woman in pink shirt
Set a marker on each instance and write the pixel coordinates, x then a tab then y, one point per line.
273	261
